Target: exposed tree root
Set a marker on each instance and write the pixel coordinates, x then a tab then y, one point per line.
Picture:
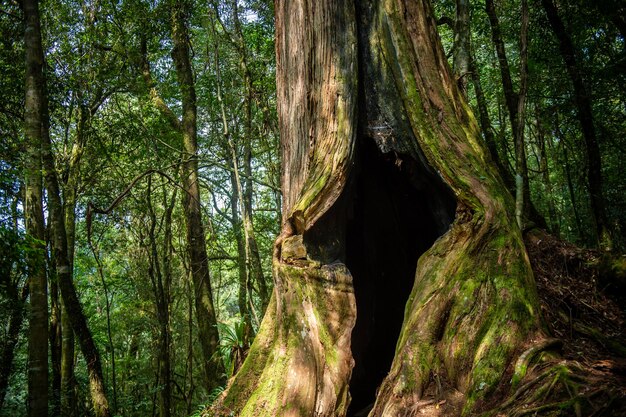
562	388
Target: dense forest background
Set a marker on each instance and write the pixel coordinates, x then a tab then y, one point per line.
550	98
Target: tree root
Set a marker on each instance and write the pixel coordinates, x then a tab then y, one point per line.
556	389
521	366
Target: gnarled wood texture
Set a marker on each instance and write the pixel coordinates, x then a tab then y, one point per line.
473	303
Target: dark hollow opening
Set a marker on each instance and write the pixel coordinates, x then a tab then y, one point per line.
399	209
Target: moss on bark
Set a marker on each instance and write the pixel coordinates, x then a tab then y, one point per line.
472	324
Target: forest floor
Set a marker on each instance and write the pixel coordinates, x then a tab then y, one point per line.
584	305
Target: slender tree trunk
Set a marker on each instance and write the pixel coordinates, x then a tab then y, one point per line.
209	337
585	116
521	169
461	61
255	269
160	277
68	381
512	100
165	291
16	319
464	65
70	190
245	282
544	167
107	308
37	280
487	128
55	347
190	327
572	195
510	95
57	219
245	187
242	291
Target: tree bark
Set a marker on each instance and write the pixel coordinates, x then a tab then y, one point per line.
16	319
60	247
461	57
68	381
521	169
512	100
472	302
205	311
585	116
160	274
34	126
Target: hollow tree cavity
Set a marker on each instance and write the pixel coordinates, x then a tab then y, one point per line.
399	208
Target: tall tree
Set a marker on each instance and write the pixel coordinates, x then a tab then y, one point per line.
160	272
34	126
521	168
253	269
57	218
199	264
461	48
585	116
515	101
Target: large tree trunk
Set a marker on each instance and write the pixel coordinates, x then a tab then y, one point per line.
400	273
33	211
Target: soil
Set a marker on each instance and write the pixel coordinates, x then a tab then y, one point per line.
587	316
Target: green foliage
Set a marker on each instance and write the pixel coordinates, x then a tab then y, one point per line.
232	345
558	184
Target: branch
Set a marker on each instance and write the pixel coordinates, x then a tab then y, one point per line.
91	208
158	102
227	168
446	20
